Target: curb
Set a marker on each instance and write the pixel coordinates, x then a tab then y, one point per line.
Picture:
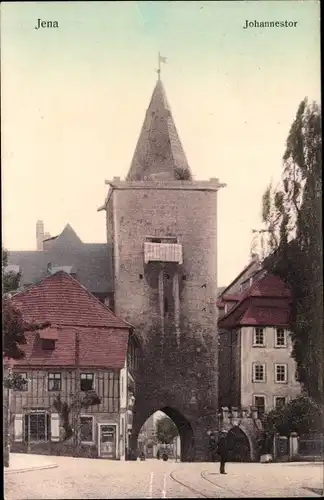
31	469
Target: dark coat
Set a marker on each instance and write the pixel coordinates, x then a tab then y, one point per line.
222	448
213	448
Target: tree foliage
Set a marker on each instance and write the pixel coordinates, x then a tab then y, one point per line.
302	415
90	398
292	215
166	430
10	279
14	326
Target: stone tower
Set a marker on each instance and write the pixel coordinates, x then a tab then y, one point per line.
163	227
39	234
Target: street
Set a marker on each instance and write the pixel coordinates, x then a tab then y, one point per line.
81	478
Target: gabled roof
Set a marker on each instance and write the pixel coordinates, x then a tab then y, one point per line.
71	311
232	289
159	153
68	237
98	348
265	302
92	263
60	300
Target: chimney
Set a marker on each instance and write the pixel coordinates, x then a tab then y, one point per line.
39	235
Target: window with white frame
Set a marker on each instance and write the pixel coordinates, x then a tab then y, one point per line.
37	426
280	337
87	381
258	372
259	403
86	431
54	382
280	401
258	337
281	373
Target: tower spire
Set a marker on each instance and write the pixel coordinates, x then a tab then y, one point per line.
159	153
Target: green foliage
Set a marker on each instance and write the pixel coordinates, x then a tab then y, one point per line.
13	326
292	215
182	174
166	430
13	331
10	280
15	381
90	398
302	415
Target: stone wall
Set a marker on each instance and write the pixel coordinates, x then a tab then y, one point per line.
178	374
247	420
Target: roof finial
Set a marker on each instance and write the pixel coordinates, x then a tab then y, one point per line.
161	59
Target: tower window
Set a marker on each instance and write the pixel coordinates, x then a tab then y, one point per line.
166	306
141	276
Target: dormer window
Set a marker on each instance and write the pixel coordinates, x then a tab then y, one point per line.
48	337
48	344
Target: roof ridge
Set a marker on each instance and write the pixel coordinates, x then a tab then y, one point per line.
246	294
102	304
246	268
77	284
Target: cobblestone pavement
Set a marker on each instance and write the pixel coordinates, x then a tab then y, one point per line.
102	479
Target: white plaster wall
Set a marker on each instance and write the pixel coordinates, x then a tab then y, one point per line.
269	355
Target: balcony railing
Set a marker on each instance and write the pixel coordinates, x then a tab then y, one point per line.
162	252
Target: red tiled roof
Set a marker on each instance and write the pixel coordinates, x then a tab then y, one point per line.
269	286
48	333
99	348
61	300
265	302
70	309
265	316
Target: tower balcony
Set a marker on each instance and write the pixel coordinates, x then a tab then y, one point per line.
163	252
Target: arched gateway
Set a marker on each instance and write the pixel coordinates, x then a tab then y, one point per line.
186	433
163	228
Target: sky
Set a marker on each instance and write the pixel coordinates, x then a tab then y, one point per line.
74	99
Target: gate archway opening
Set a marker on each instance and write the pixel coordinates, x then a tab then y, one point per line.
166	429
239	449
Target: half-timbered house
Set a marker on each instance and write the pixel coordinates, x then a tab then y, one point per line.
86	354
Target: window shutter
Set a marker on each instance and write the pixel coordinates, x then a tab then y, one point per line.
55	427
18	428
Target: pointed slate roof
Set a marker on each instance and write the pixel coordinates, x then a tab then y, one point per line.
92	262
67	238
159	153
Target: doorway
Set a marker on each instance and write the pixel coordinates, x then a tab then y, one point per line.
107	441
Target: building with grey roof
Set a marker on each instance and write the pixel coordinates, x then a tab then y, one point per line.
89	263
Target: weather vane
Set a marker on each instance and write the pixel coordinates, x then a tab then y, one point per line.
161	59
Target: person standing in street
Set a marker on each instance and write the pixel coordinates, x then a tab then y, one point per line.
212	446
222	450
